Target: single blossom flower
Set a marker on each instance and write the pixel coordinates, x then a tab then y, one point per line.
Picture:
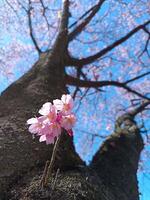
36	124
108	127
49	110
68	121
51	128
50	132
64	105
49	139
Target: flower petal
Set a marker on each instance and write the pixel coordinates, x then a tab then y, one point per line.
58	104
34	128
67	99
45	108
68	121
49	139
42	138
32	120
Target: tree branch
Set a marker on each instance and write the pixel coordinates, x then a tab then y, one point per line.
139	109
13	9
97	84
136	78
44	13
90	59
80	18
61	42
31	29
86	21
65	16
146	47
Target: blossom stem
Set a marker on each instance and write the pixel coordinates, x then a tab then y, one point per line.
51	164
44	173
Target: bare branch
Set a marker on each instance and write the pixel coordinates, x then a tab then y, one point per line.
81	98
90	59
10	5
62	38
77	88
65	16
44	13
62	35
136	78
139	109
92	134
129	117
146	47
80	18
97	84
31	29
86	21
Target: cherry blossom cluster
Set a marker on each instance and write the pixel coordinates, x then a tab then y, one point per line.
54	117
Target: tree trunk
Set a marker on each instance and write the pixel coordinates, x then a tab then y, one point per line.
19	152
111	174
117	160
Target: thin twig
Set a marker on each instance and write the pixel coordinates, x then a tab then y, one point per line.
55	180
53	158
54	183
44	173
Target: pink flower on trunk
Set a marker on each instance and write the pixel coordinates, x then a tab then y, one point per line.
49	139
36	125
49	111
68	121
50	132
54	118
64	105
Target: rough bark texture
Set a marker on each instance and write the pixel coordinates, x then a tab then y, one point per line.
19	152
112	173
117	160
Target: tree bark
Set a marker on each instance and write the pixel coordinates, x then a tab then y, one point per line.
19	152
111	174
117	160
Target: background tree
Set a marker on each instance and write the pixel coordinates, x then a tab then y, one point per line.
84	50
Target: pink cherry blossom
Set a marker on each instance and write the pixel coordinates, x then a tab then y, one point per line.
108	127
51	129
64	105
50	132
68	121
49	139
54	118
49	110
36	124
